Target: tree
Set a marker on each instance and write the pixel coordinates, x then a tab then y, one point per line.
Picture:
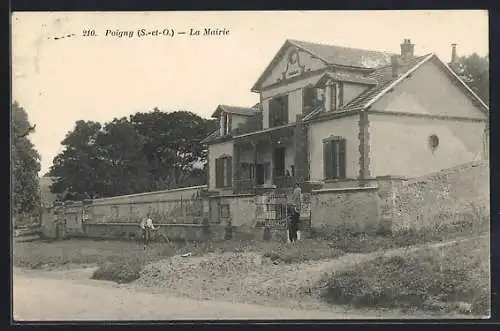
474	71
25	164
148	151
78	166
173	145
126	167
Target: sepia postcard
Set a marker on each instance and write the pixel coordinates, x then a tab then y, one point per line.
250	165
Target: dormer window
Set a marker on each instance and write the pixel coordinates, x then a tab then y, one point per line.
334	95
225	124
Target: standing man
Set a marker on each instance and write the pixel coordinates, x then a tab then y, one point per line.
146	227
295	212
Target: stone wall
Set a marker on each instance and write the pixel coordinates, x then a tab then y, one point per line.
191	232
351	209
452	195
183	205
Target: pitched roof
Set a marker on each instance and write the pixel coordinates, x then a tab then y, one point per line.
210	137
345	56
244	111
351	77
331	55
386	81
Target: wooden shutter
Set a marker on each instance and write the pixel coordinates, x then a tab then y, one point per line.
229	171
327	159
218	173
334	150
284	109
342	158
272	112
334	96
341	94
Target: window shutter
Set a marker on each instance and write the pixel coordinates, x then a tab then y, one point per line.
341	94
342	158
334	150
229	124
218	175
327	159
334	96
285	109
272	112
229	171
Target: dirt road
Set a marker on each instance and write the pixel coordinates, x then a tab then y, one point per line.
45	296
70	296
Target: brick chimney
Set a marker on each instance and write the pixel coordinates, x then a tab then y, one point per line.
453	53
395	65
407	50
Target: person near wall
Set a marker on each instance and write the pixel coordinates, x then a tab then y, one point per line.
146	227
294	210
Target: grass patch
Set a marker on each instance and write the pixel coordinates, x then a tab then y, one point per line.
47	254
454	278
348	241
302	251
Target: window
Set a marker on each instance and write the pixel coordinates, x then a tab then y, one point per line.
225	124
334	158
336	97
333	96
247	170
278	111
228	124
341	94
311	98
223	172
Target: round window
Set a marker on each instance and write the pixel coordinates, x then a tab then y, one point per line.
433	141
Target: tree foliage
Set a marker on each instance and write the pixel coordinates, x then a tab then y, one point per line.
147	151
474	70
25	164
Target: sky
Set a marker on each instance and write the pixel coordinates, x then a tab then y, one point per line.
59	81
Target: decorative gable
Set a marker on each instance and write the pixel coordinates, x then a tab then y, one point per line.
293	63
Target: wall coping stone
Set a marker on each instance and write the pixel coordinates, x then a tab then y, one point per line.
344	189
160	224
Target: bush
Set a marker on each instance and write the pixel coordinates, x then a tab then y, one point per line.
454	274
124	270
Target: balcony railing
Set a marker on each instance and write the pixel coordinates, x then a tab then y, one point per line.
243	185
250	125
284	181
246	185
